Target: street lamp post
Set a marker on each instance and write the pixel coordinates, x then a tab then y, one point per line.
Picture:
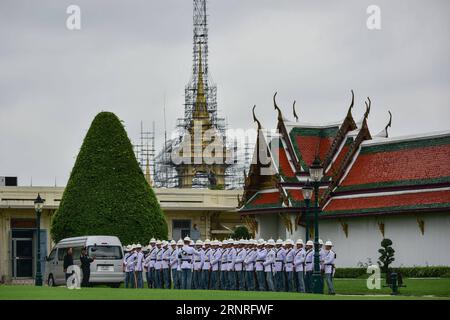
38	205
316	172
307	191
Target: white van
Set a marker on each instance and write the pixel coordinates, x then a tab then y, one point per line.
107	267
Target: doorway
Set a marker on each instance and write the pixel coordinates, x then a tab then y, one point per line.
22	253
181	229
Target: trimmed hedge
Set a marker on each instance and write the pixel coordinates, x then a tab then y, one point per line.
407	272
107	193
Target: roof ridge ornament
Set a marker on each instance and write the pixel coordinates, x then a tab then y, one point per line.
280	116
352	103
368	105
294	111
384	133
255	119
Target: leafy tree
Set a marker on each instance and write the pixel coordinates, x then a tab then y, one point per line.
241	232
386	257
107	193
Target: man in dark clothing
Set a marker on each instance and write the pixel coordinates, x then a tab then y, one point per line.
85	267
68	261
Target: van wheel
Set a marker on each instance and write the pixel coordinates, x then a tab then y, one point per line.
51	281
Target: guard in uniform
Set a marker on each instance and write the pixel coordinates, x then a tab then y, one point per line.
139	266
198	265
158	265
309	265
186	256
231	275
131	264
173	263
279	266
249	265
216	256
150	260
167	251
289	265
299	265
224	265
241	252
329	257
260	259
206	267
269	264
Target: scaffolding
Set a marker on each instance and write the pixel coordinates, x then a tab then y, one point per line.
165	172
145	150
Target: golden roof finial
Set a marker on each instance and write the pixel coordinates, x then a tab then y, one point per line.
200	110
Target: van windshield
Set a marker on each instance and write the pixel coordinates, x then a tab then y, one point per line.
105	252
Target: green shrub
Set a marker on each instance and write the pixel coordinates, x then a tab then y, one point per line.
107	193
241	232
407	272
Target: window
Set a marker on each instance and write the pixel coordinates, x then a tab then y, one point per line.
61	253
182	224
52	255
105	252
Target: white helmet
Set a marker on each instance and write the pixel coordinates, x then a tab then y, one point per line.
299	241
320	242
152	240
199	243
187	239
309	243
133	246
225	242
219	243
279	241
235	242
230	240
164	243
207	241
329	243
289	241
173	243
270	242
261	241
180	242
158	242
128	247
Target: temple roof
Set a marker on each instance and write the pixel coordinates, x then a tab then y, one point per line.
359	169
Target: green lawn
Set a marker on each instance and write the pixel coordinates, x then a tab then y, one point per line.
346	289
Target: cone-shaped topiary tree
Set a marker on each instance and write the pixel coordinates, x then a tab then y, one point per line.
107	193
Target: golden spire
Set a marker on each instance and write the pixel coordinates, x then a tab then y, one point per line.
200	110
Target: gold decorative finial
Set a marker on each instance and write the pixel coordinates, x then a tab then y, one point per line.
200	110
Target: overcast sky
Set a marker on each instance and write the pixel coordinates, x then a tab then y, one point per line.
128	55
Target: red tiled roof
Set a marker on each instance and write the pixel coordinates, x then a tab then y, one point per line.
417	164
284	165
389	203
337	162
264	200
306	141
